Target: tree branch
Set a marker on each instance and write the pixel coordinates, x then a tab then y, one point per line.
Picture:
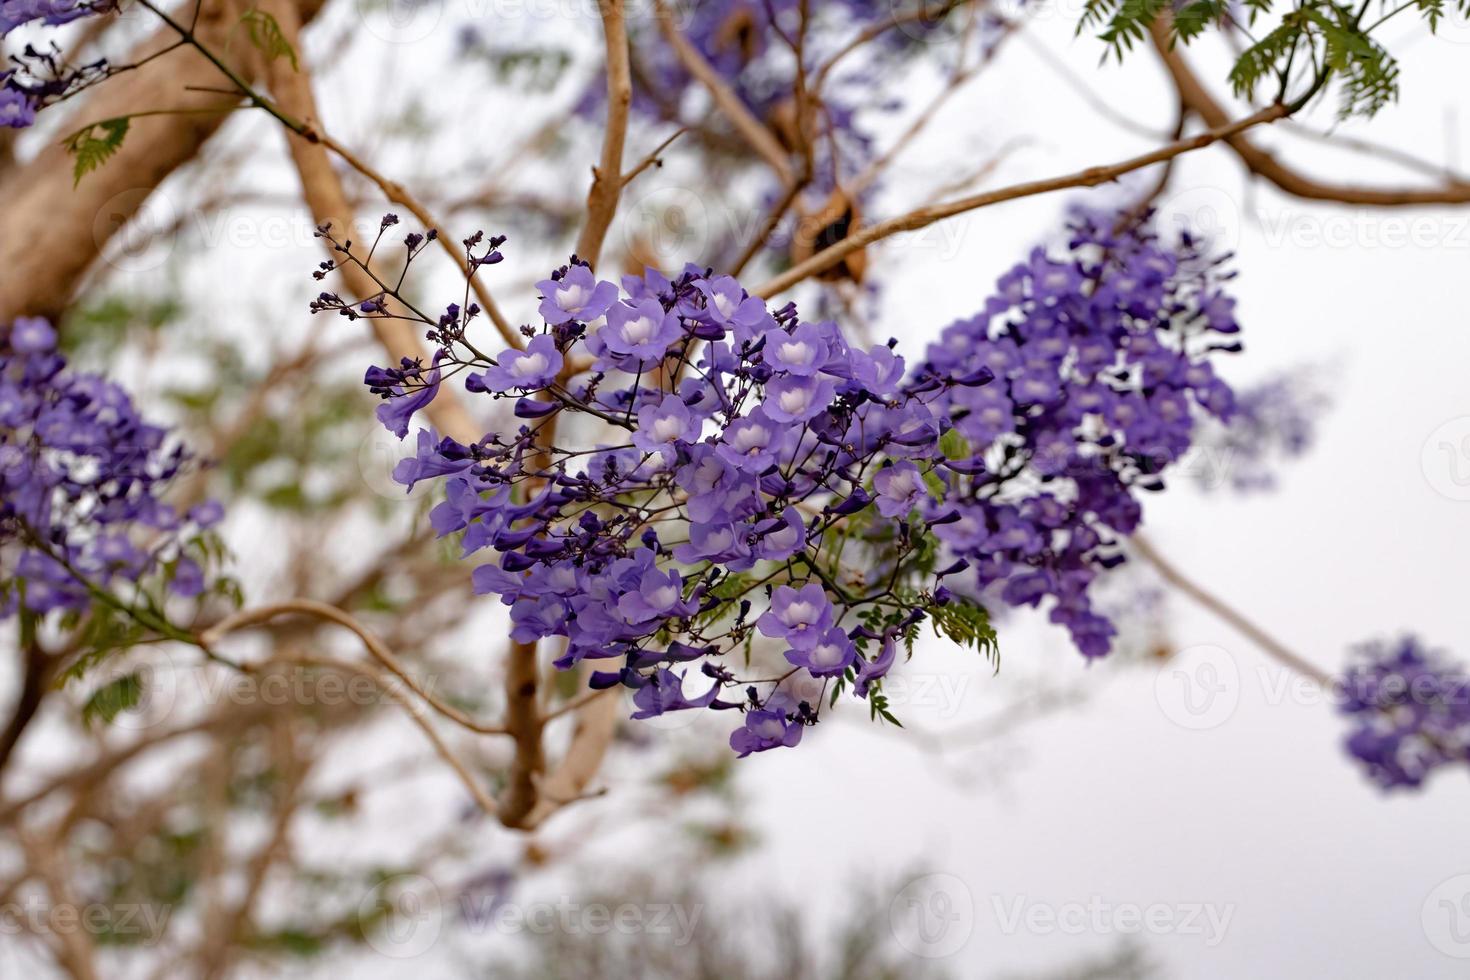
923	217
607	176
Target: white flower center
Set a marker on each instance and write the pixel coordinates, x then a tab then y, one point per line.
667	428
826	654
796	353
751	440
638	331
770	728
794	401
572	297
529	366
902	484
800	613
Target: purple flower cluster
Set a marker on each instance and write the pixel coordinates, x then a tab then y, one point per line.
1411	712
42	75
762	476
746	443
52	13
1100	357
81	481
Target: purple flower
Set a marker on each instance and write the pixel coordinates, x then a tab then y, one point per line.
664	692
82	477
876	669
404	400
752	443
662	425
576	296
900	489
432	457
32	335
727	304
1411	712
640	333
829	657
525	370
766	728
17	109
720	543
780	538
658	595
797	399
802	352
534	617
801	617
718	491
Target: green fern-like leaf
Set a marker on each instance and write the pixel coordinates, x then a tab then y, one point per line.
1129	24
1266	57
94	145
1370	75
267	37
113	698
967	623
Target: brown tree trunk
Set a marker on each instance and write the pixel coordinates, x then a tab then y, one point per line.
52	232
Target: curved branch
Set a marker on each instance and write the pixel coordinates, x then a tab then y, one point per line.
1220	608
380	652
1198	100
923	217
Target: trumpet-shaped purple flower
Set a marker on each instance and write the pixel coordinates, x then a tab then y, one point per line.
876	669
801	352
661	426
640	334
829	657
727	304
900	489
664	692
525	370
658	596
801	617
781	537
575	296
752	443
797	399
724	544
767	728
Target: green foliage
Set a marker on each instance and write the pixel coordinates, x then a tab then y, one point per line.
1327	36
94	144
1370	75
267	37
113	698
1120	23
968	624
878	705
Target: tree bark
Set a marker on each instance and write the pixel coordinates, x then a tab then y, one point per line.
54	231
